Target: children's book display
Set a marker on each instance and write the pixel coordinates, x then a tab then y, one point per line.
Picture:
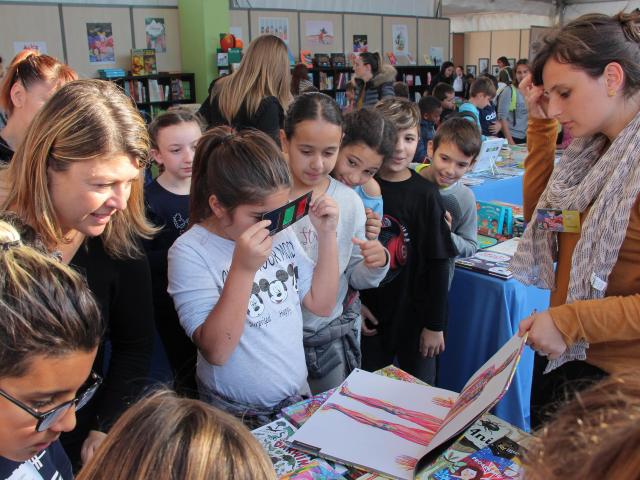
489	154
273	438
494	220
388	427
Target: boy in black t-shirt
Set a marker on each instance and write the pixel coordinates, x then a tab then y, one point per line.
406	315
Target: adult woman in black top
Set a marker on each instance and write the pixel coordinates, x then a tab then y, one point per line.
76	179
257	94
28	82
445	75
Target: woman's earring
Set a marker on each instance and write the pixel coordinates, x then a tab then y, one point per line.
612	93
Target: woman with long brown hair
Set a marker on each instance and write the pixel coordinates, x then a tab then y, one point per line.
28	83
76	179
257	94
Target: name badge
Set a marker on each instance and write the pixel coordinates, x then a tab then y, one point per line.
555	220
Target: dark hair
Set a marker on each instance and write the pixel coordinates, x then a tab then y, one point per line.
300	72
482	85
371	128
401	89
441	90
522	61
503	60
45	306
493	79
444	66
311	106
373	59
460	132
591	42
237	167
170	118
506	75
429	104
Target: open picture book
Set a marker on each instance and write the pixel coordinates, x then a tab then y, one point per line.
387	426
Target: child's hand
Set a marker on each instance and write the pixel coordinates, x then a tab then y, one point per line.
494	128
373	252
368	316
431	343
373	225
447	218
324	214
544	336
252	247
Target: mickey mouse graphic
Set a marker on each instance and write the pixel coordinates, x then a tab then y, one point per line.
256	305
277	289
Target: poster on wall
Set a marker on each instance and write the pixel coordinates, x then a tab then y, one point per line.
40	47
437	55
360	43
319	32
101	44
400	39
278	26
155	32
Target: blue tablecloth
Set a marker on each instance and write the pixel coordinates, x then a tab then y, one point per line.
484	312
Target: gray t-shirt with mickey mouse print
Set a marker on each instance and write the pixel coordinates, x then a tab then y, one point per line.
268	365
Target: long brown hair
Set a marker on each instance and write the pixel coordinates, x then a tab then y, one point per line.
164	437
594	436
45	306
84	120
29	67
237	167
591	42
263	72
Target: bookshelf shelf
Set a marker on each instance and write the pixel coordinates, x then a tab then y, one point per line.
155	93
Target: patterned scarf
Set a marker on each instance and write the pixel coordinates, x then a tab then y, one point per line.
608	184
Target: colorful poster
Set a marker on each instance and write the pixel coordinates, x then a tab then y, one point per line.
400	39
101	43
156	34
278	26
38	46
360	43
319	32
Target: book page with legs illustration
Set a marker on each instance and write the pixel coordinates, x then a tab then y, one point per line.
386	426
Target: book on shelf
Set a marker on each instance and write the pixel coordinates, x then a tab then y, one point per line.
388	427
143	61
306	58
338	60
322	60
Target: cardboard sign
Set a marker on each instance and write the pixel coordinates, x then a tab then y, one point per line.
288	214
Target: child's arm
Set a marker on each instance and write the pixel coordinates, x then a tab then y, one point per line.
374	214
321	297
220	333
465	236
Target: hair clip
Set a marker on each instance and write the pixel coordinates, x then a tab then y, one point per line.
5	246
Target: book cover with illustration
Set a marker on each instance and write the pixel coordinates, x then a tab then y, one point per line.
498	461
388	427
494	220
490	263
273	438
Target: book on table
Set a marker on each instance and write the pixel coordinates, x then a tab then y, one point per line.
389	427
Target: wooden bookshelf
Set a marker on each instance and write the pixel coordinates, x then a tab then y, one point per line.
331	80
156	93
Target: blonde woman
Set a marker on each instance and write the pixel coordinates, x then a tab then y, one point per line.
76	180
49	334
165	437
257	94
28	83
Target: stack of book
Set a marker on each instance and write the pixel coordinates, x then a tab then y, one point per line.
111	73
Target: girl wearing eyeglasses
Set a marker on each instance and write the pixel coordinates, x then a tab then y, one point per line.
49	335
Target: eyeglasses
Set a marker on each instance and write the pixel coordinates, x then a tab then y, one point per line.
48	418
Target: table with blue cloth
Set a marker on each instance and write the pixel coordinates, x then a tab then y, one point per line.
484	312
